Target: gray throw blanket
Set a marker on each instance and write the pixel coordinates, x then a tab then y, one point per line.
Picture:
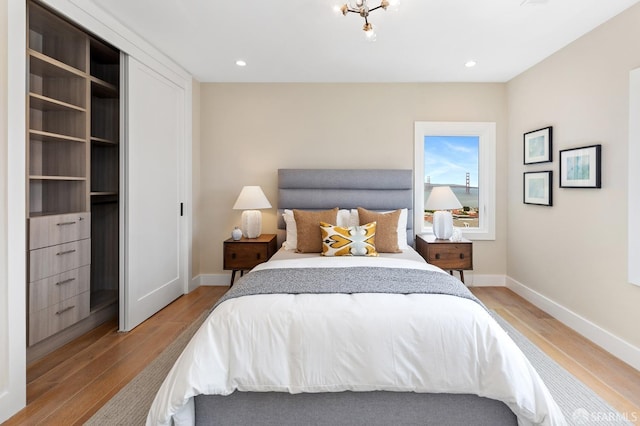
347	280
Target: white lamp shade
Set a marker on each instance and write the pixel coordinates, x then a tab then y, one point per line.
251	199
442	198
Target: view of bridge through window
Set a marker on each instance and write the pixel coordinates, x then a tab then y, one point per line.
453	161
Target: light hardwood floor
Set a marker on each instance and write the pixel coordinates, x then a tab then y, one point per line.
70	385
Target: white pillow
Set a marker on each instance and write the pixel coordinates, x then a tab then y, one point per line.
344	219
402	226
291	242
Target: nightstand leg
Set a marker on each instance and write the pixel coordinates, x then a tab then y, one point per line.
462	276
233	277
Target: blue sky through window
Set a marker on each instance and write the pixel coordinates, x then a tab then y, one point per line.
447	159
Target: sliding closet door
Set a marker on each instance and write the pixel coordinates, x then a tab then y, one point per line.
153	163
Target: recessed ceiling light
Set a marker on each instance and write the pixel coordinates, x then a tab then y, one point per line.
241	63
470	64
533	2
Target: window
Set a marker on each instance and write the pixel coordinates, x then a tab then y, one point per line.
462	156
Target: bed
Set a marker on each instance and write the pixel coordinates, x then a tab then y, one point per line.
375	339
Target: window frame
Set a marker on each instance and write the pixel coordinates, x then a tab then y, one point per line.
486	131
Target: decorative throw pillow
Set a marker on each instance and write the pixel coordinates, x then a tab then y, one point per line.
386	229
402	226
348	241
291	242
308	228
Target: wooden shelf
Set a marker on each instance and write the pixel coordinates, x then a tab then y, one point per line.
44	103
103	141
39	135
103	193
41	63
103	88
57	178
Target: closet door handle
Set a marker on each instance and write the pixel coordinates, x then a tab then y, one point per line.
65	252
68	308
65	281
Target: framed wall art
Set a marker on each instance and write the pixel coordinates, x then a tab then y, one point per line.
537	146
580	167
537	188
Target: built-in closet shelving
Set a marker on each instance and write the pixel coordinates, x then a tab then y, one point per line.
73	145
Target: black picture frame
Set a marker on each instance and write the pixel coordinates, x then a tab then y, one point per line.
581	167
538	146
538	188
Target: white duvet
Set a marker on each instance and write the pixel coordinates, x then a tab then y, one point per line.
357	342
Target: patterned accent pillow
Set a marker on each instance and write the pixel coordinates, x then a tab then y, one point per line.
348	241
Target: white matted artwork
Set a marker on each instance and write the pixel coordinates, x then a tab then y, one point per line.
537	188
537	146
580	167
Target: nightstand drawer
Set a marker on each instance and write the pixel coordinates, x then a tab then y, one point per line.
244	256
451	256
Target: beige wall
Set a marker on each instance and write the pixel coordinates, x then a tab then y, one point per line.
574	253
251	130
195	178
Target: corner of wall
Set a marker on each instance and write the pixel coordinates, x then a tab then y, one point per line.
601	337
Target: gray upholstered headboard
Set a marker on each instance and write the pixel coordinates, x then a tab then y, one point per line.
319	189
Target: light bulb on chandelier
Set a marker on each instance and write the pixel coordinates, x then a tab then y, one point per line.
369	32
362	8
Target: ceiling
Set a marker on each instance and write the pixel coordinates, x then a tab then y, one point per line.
308	41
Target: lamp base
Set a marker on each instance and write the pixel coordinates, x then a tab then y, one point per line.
442	225
251	223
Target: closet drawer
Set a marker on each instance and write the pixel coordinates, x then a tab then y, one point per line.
55	260
49	321
47	231
55	289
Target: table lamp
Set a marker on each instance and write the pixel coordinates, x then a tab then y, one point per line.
251	199
442	199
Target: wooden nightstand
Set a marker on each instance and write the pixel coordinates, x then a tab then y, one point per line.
446	254
246	253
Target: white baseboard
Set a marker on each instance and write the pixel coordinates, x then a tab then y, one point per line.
601	337
212	279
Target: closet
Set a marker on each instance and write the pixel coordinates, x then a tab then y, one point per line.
73	158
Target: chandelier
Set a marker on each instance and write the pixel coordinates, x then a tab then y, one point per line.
362	8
